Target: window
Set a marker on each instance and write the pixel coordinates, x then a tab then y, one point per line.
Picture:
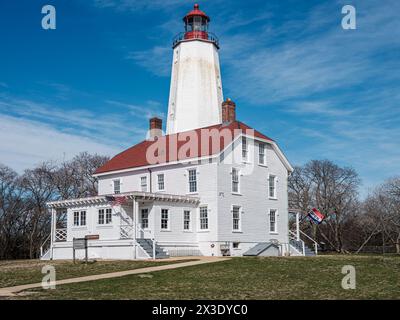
161	184
144	218
101	216
108	216
76	218
192	180
203	218
236	218
143	184
79	218
83	218
244	149
164	219
117	186
186	220
235	180
272	221
261	153
235	245
105	216
272	186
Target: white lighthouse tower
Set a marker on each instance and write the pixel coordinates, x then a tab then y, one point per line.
196	89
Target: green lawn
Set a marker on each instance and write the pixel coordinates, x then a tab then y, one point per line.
19	272
378	277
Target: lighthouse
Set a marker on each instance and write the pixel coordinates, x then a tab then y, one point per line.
195	96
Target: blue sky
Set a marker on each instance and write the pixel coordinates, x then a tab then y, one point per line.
294	73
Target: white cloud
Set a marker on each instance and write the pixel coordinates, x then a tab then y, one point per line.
26	143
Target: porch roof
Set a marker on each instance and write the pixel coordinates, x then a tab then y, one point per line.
135	195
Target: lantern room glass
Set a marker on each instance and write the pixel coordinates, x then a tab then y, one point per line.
196	23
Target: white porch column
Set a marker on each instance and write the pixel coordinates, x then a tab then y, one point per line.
53	230
297	227
134	226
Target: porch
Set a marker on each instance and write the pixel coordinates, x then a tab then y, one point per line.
131	227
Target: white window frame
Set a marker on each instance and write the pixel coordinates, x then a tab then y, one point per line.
107	217
188	221
78	218
117	191
207	221
143	219
163	181
143	185
239	218
192	181
245	149
275	222
163	218
233	181
262	146
274	197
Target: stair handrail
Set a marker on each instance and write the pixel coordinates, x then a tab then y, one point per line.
315	242
43	244
294	238
152	240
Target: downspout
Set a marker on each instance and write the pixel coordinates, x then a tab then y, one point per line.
150	180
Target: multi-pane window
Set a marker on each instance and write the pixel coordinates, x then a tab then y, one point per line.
108	216
164	219
203	218
144	218
272	186
117	186
186	220
272	220
143	184
261	153
80	218
76	218
235	180
105	216
244	149
161	182
192	180
83	218
236	218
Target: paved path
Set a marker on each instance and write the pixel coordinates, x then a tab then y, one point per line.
12	291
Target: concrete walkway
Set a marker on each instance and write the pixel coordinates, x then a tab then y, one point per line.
12	291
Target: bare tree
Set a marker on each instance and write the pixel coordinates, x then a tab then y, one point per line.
331	189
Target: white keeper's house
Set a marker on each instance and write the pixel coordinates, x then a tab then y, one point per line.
210	186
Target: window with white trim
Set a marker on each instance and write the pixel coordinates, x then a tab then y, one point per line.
235	180
164	219
143	184
76	218
117	186
144	218
79	218
272	186
104	216
186	220
272	221
244	149
203	218
261	153
192	173
236	218
161	182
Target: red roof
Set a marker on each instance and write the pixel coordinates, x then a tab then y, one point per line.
196	12
137	156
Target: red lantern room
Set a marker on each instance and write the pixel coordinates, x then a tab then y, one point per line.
196	27
196	24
